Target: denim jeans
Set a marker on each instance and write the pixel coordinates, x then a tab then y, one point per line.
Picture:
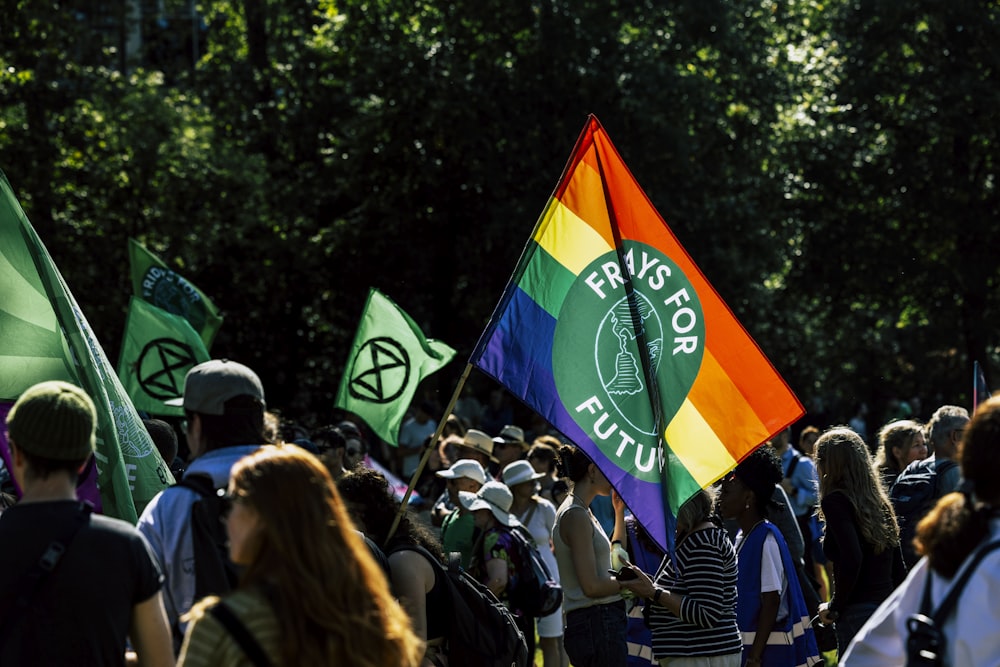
595	636
849	622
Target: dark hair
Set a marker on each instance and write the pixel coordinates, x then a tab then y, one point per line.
960	521
371	503
328	437
164	437
572	463
241	424
545	453
760	472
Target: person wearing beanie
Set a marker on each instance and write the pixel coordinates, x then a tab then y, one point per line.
74	584
224	410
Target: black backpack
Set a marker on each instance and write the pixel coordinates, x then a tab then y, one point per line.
926	643
537	593
913	494
481	630
214	573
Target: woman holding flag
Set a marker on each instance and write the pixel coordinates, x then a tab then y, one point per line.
595	632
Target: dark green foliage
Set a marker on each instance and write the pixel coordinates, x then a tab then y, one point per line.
830	167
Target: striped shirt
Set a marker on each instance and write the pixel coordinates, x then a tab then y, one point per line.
704	574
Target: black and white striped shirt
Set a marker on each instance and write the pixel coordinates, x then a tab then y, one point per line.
704	573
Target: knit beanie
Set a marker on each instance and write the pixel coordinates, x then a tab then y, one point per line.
54	420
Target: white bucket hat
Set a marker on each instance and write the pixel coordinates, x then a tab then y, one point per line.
464	468
493	496
519	472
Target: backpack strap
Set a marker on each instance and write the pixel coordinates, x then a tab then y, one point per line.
47	562
944	609
239	632
200	483
791	466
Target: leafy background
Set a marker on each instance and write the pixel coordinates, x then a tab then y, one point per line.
831	166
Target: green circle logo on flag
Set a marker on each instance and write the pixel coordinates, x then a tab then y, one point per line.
601	373
167	290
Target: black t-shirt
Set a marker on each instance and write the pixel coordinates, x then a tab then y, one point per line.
859	574
80	614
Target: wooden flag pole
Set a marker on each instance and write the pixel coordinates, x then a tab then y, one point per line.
427	453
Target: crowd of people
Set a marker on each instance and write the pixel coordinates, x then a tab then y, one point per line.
799	555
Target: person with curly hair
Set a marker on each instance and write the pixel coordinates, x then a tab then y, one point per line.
310	592
957	531
413	577
862	537
770	610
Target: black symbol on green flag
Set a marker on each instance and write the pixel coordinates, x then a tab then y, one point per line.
381	371
389	358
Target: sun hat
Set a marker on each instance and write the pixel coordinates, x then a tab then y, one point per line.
478	441
209	385
464	468
519	472
512	435
493	496
54	420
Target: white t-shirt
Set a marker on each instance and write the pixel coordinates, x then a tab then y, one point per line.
772	572
540	527
971	629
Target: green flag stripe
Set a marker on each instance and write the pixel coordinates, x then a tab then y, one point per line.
546	281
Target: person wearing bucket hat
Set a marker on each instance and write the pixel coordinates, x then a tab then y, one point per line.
770	606
458	530
509	446
538	516
493	559
476	446
224	410
58	557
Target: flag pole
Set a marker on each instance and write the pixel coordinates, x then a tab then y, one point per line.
427	452
653	389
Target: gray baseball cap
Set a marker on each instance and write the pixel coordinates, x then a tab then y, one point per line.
209	385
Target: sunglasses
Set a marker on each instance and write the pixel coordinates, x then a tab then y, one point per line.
353	452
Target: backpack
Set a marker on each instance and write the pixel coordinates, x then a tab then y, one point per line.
536	592
913	494
214	573
482	632
926	642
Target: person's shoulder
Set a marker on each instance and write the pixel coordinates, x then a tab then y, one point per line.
545	505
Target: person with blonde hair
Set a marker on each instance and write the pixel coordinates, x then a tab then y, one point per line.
310	592
900	443
959	542
862	537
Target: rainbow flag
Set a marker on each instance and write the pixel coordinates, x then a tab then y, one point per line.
610	331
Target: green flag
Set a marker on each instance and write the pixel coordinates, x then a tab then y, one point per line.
388	359
163	287
46	337
158	350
